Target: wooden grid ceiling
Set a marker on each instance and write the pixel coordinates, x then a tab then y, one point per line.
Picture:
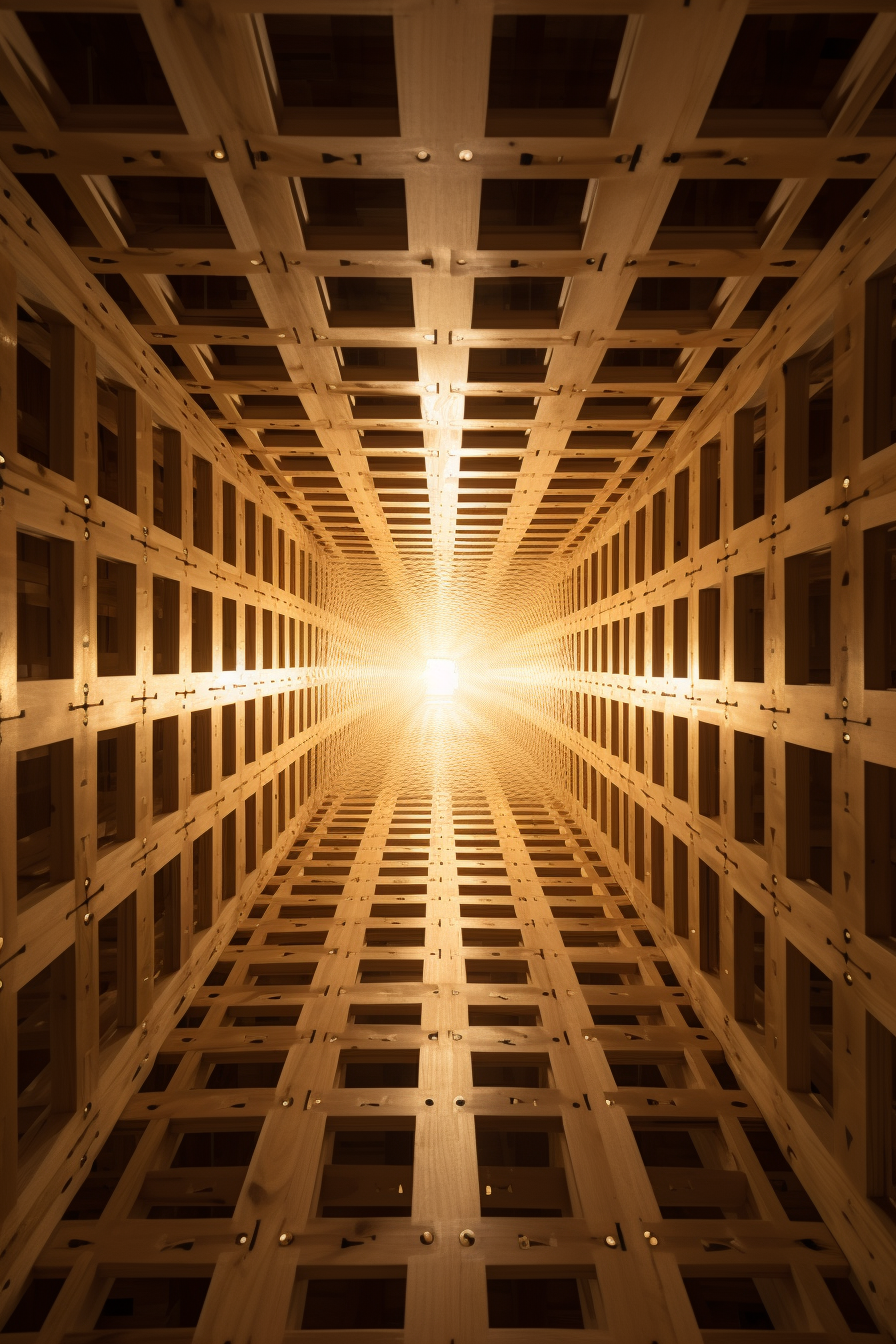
450	275
470	287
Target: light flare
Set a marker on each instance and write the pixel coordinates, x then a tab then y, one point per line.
441	676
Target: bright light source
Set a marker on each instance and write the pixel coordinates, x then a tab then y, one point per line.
441	676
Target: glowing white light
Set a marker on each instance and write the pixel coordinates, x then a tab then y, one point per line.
441	676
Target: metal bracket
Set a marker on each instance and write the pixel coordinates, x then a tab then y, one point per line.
771	536
144	543
84	518
12	956
144	697
144	856
5	485
88	897
85	706
833	508
848	959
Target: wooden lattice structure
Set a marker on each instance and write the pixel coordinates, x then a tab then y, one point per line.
557	340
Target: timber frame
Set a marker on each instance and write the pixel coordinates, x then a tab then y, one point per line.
557	339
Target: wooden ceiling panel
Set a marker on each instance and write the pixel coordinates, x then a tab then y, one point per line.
447	223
